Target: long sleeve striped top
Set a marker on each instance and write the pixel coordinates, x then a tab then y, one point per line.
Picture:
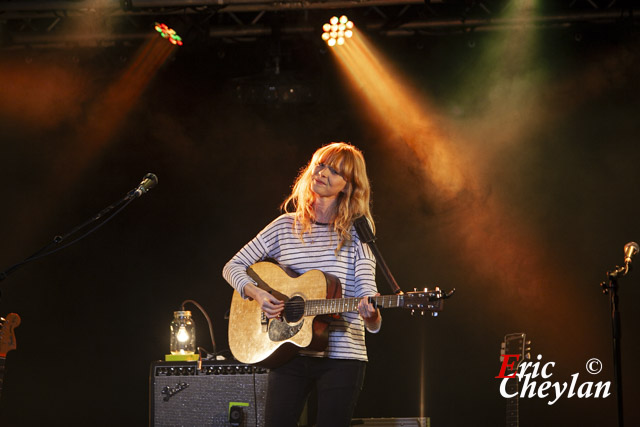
354	265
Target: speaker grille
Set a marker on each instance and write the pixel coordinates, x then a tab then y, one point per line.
182	395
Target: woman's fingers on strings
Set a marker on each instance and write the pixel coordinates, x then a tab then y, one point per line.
272	307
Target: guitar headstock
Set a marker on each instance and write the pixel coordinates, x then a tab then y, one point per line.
426	300
515	343
7	335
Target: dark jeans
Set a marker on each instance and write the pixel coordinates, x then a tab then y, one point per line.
338	383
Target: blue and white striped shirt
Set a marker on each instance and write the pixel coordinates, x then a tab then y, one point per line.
354	265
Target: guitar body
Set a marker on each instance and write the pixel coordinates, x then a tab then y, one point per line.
7	340
255	339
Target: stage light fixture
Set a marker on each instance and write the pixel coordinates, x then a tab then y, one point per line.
169	34
337	31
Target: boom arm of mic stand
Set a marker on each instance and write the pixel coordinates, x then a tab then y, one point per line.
50	248
366	236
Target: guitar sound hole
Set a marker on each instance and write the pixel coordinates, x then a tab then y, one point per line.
294	309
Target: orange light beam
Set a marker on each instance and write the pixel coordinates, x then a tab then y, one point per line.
400	113
500	246
104	118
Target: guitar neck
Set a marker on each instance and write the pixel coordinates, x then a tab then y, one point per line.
513	416
514	344
342	305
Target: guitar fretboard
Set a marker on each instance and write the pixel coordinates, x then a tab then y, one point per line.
513	416
341	305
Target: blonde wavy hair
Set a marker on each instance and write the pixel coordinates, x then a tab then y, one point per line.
352	203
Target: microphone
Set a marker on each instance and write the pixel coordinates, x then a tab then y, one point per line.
364	229
149	181
630	249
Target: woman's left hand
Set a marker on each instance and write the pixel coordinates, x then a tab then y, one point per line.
366	309
370	314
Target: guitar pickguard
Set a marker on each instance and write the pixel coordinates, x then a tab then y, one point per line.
279	330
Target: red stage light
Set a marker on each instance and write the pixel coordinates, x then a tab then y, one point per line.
169	34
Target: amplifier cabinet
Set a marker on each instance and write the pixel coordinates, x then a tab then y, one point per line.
220	394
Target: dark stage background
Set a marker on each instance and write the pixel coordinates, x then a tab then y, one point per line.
96	314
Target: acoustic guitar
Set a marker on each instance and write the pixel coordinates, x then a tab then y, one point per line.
310	302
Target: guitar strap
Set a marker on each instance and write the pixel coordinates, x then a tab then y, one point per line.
366	236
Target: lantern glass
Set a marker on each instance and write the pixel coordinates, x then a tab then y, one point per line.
183	333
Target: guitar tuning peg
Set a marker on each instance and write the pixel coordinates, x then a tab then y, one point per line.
413	312
527	356
415	289
434	314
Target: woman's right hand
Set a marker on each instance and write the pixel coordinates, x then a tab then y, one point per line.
269	304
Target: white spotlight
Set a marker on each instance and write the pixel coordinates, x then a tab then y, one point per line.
337	31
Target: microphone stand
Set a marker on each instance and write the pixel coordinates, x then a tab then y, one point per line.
611	287
366	236
54	245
